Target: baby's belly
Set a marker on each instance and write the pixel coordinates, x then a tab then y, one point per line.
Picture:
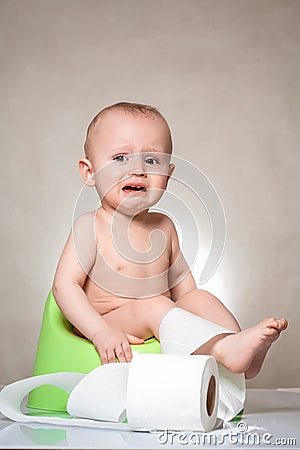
104	301
108	282
104	305
114	282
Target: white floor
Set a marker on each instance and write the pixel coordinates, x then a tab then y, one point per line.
272	419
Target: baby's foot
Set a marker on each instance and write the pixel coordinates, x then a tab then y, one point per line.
245	351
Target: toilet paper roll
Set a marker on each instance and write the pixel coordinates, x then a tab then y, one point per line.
182	333
159	391
175	392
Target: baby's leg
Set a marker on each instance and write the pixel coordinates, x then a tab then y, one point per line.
207	306
243	351
140	317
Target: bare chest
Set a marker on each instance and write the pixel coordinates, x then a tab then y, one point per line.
132	264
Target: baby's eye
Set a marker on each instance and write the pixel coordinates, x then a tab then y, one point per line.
120	158
151	160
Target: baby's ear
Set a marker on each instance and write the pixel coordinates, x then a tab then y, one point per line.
171	170
86	170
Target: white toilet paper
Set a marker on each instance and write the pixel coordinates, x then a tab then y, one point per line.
101	395
162	392
182	333
172	392
12	396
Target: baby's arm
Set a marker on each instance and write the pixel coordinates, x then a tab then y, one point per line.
181	279
77	259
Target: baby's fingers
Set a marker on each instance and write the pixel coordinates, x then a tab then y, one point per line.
111	355
103	356
127	351
120	353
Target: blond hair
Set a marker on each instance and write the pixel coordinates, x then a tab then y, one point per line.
126	107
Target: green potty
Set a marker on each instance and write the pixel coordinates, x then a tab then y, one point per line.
60	350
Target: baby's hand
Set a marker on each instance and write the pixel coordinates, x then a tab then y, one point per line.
112	343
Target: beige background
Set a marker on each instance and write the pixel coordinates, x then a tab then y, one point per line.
225	74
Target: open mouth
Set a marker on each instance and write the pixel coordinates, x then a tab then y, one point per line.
130	188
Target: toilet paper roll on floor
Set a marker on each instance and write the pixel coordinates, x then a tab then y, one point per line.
182	333
174	392
158	391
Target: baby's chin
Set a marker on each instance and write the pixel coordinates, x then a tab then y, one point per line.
135	204
133	207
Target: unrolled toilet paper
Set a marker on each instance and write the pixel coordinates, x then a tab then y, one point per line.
161	392
102	394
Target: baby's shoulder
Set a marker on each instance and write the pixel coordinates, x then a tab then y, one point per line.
162	220
86	225
86	219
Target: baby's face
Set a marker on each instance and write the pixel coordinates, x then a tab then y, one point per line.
130	156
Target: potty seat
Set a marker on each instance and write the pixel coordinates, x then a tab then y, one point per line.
61	350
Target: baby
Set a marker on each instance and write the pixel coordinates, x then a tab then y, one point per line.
122	269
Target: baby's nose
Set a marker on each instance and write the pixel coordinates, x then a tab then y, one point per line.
137	168
138	172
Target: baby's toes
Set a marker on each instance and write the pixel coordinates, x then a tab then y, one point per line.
271	331
270	320
270	335
282	324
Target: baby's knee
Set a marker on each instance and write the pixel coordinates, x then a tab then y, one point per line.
194	295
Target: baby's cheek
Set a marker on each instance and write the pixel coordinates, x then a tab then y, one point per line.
155	195
106	180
